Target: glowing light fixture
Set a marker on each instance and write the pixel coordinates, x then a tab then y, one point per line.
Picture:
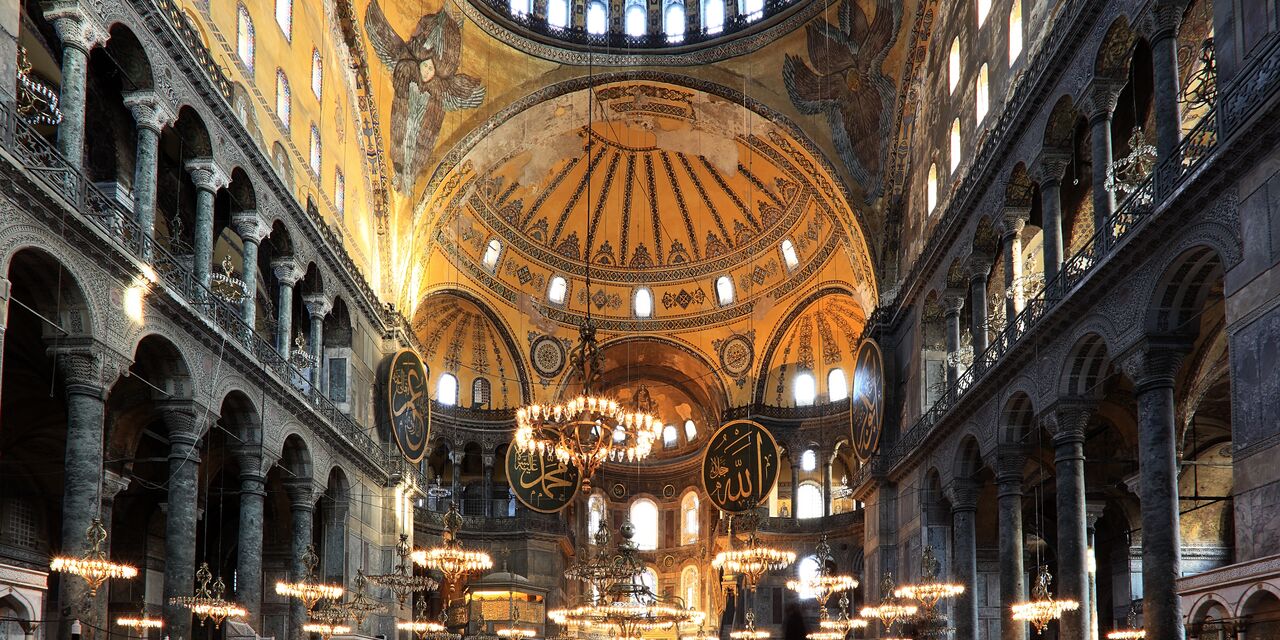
822	584
1042	608
308	589
929	591
891	609
93	566
450	558
753	559
401	580
208	602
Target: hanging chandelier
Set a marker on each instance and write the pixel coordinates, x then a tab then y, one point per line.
1126	175
423	627
749	630
328	622
843	623
590	429
209	601
401	580
1131	631
450	558
598	570
823	583
1042	608
93	566
753	559
891	609
226	286
37	103
437	491
929	591
140	623
309	590
300	356
514	631
360	606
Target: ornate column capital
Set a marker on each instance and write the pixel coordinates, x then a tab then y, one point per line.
1051	165
149	110
318	306
1100	98
1067	419
489	459
112	484
1010	460
1163	19
287	270
207	175
979	267
301	495
75	25
953	301
184	420
88	366
1092	513
963	494
250	226
455	457
1154	361
1013	220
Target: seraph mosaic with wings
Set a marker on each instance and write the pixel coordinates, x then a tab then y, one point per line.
843	79
426	84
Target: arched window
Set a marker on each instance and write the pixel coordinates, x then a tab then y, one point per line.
491	254
244	38
634	19
315	150
673	21
597	18
557	289
789	255
644	517
447	389
984	8
521	7
752	9
284	100
724	290
340	192
558	13
317	73
1015	31
670	437
953	65
955	145
689	518
480	392
837	386
689	586
806	571
713	16
808	500
643	302
284	17
649	578
595	514
931	190
690	430
982	94
809	460
805	389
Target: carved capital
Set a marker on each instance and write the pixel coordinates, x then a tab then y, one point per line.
964	495
149	111
301	495
953	301
455	457
207	175
1067	419
112	484
318	306
1154	361
287	270
1100	98
1163	19
1093	513
979	267
75	25
488	460
1010	461
250	226
183	420
88	368
1015	218
1051	166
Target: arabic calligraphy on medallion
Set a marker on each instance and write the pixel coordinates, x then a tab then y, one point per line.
740	466
866	403
540	480
408	404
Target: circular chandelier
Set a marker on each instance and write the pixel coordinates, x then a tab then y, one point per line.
300	356
823	584
360	606
1131	631
93	566
844	623
450	558
825	635
208	602
328	622
425	628
140	623
753	559
891	609
401	580
749	631
226	286
308	589
590	429
929	591
598	570
1042	608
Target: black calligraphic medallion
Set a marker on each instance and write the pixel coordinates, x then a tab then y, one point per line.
540	480
740	466
866	403
408	404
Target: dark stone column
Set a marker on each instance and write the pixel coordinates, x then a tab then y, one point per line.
455	490
1164	59
964	536
979	271
208	178
1100	105
826	487
5	287
1153	365
180	515
252	229
287	272
1015	218
488	485
1093	511
302	508
1068	421
795	487
253	494
1050	167
112	484
79	34
953	302
151	116
317	308
1009	464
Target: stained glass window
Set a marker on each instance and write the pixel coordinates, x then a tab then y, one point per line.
340	192
315	150
244	37
284	100
317	73
284	17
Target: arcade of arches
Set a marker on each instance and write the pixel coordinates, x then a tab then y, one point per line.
226	226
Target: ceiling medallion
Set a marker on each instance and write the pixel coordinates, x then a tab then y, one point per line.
547	355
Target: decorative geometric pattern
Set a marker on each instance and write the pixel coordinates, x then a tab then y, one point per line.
684	298
547	356
736	353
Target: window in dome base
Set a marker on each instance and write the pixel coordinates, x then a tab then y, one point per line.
597	18
557	290
643	303
447	389
724	290
837	386
805	390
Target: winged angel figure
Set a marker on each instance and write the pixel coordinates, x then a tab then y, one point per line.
426	82
847	84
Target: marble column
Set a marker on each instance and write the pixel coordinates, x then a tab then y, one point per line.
952	303
1068	421
253	495
288	274
964	536
82	369
1050	167
80	34
1153	365
317	308
1100	105
826	488
1093	512
979	271
180	514
455	457
112	484
795	488
488	485
1009	464
1164	60
5	288
301	508
252	229
208	178
1015	218
151	116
